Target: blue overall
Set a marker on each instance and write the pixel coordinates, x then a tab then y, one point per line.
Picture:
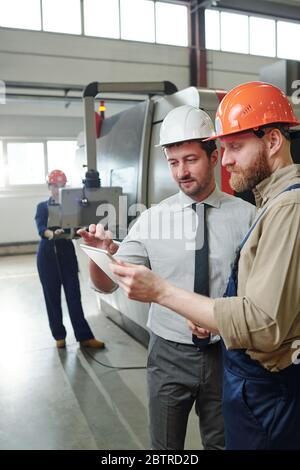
57	266
261	409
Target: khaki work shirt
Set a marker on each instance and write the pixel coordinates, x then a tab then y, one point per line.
264	318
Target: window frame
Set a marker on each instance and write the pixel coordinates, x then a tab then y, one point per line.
82	34
28	187
261	16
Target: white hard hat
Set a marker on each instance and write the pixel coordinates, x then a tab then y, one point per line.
185	123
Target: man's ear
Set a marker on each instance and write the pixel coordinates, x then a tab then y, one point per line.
275	141
214	157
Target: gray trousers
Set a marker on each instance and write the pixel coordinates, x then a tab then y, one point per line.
178	376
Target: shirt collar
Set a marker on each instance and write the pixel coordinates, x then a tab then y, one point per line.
213	200
273	185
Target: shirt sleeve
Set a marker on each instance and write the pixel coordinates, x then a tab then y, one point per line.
133	247
41	218
263	317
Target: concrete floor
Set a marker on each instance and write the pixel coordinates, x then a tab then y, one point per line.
52	399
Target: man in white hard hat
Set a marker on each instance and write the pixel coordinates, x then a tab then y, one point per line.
181	370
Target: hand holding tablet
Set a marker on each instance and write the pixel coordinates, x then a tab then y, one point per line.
102	258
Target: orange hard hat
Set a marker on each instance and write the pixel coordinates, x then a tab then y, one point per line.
57	177
251	106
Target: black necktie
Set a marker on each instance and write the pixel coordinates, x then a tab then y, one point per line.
201	280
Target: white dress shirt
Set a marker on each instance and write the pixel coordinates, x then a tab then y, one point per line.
163	238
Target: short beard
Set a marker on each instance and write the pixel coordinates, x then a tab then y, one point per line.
248	178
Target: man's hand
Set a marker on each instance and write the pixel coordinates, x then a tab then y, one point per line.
201	333
49	234
97	237
58	232
139	282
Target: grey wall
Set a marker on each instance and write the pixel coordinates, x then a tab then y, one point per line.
60	58
226	70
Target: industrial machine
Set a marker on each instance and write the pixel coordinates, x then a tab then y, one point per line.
133	173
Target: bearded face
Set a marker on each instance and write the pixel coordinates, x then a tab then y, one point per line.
243	179
246	159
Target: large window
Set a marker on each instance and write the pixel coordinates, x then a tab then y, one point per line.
62	16
27	163
234	33
61	155
262	37
137	20
288	36
20	14
212	30
162	22
171	24
101	18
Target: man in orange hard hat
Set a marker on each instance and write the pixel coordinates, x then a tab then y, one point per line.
259	316
57	267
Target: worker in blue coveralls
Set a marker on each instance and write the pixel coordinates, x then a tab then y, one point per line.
57	267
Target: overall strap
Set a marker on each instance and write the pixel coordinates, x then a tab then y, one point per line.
232	285
289	188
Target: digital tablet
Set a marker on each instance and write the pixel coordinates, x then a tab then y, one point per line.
102	258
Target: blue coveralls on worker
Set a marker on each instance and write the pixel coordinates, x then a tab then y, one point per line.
240	371
57	266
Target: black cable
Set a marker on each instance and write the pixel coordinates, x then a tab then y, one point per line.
113	367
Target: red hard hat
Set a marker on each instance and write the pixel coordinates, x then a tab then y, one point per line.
57	177
253	105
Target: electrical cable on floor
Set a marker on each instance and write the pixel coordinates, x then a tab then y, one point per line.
113	367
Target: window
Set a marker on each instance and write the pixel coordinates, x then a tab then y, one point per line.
20	14
101	18
212	30
29	162
137	20
61	156
262	37
251	34
2	176
62	16
234	33
25	163
171	24
288	35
